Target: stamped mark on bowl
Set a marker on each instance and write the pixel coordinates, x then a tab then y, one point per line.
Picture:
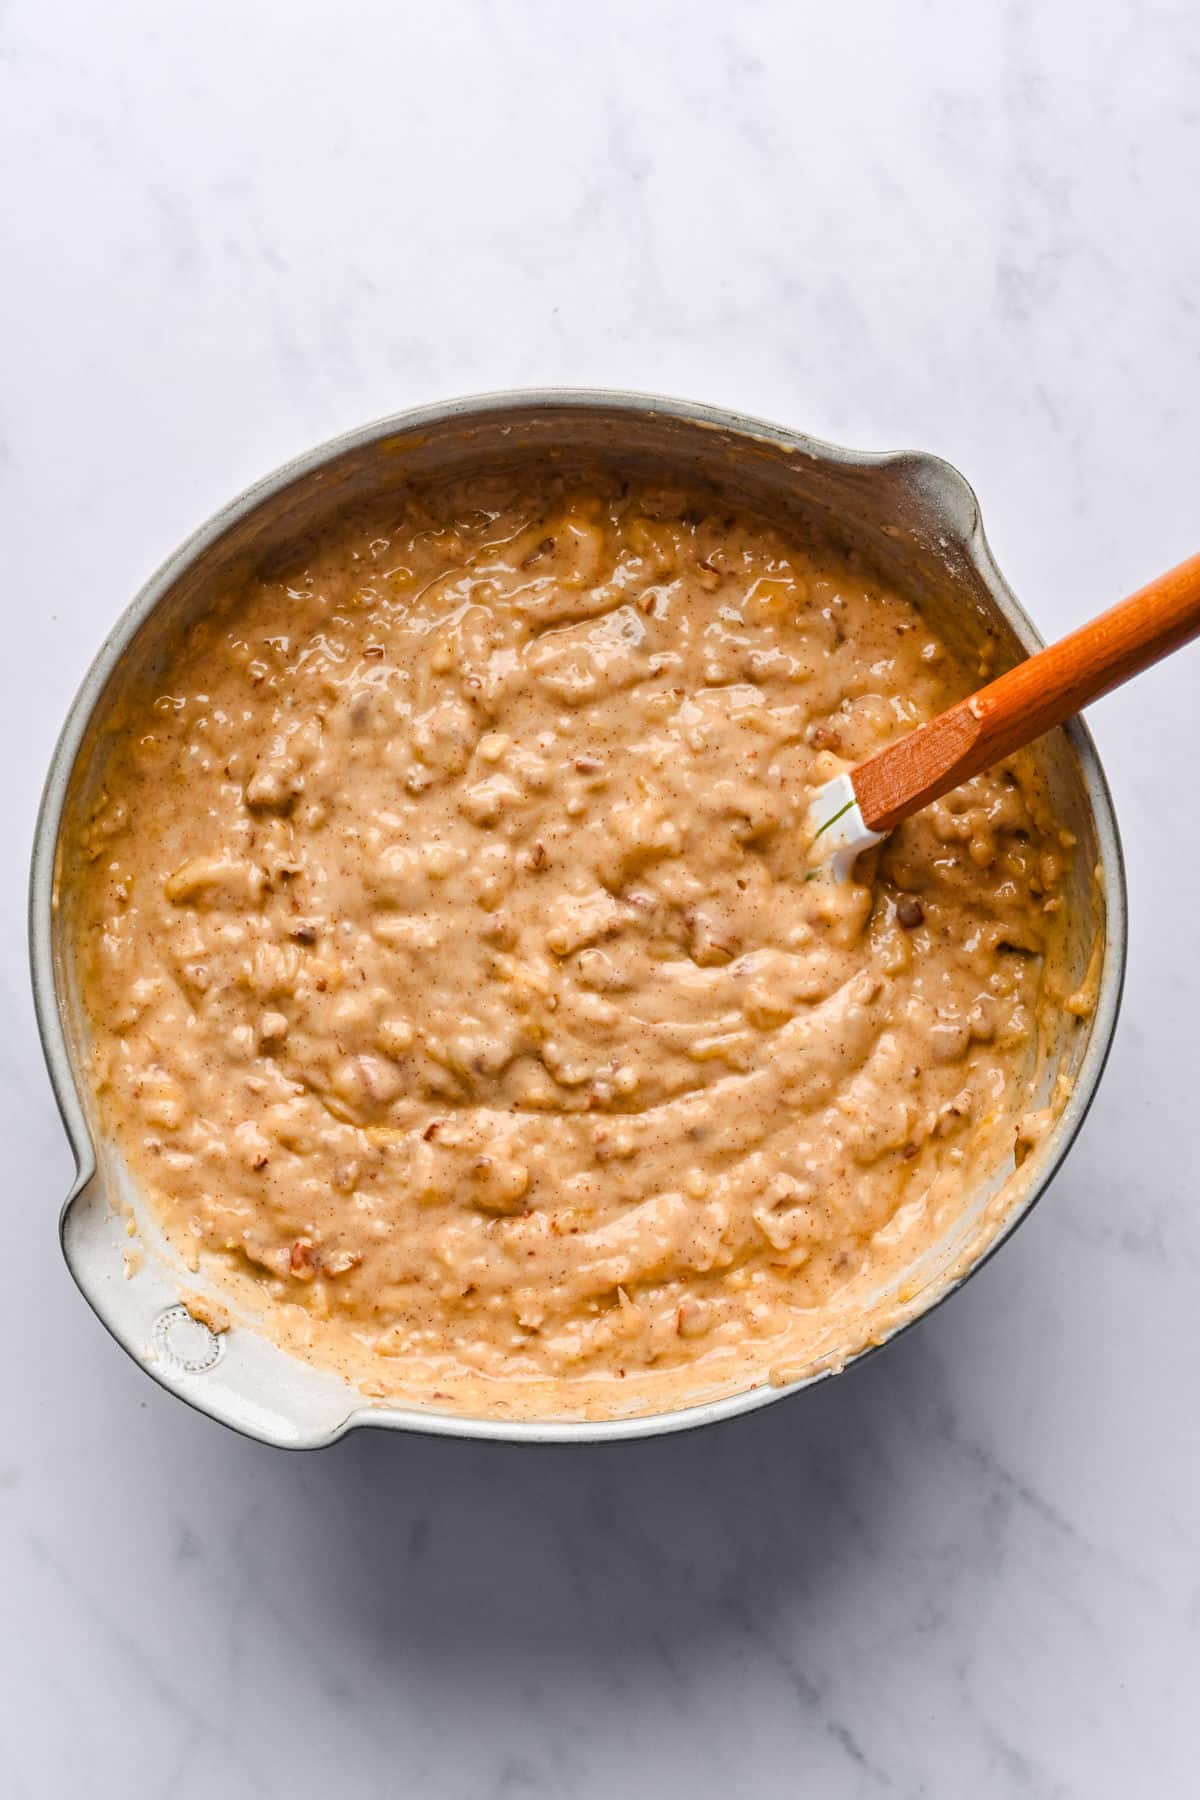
186	1343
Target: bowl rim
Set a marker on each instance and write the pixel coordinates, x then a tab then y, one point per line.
972	544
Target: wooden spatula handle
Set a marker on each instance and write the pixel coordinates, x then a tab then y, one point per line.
1038	694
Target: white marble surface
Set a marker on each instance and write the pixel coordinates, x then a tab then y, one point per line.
231	229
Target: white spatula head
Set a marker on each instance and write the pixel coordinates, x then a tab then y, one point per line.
839	833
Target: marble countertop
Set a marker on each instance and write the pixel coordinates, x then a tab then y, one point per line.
972	1567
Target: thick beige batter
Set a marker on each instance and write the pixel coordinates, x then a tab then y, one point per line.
458	970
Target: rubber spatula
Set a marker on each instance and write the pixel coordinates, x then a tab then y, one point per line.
856	810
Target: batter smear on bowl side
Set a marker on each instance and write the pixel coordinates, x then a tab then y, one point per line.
463	991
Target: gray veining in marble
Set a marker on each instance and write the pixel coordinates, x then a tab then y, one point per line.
231	229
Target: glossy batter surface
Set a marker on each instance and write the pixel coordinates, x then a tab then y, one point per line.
458	971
